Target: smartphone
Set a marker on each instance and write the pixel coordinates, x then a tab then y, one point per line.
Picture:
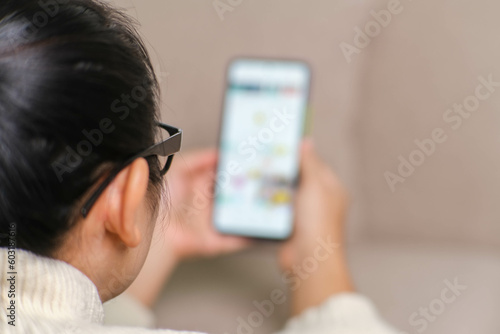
264	116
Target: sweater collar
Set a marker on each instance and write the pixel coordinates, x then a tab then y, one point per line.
51	288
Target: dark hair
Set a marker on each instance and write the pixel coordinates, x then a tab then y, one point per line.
78	96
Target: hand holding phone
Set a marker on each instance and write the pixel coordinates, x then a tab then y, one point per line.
313	260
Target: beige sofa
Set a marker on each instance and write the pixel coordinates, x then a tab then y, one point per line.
413	233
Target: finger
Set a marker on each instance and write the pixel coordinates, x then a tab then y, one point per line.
309	159
199	160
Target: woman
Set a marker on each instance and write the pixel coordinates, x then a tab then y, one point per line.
82	185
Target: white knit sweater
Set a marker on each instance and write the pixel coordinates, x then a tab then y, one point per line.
53	297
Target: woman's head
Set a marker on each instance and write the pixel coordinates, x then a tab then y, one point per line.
78	96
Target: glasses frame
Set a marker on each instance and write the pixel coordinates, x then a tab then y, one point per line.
166	148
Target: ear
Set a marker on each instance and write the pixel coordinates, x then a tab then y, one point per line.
122	202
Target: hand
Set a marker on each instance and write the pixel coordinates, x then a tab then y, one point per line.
189	226
320	208
187	230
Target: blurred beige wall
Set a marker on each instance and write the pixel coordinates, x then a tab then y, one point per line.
367	112
441	223
424	63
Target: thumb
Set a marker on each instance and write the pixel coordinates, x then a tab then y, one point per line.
308	158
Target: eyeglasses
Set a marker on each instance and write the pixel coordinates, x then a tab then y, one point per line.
164	150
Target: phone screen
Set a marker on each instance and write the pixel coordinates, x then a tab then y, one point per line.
263	122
